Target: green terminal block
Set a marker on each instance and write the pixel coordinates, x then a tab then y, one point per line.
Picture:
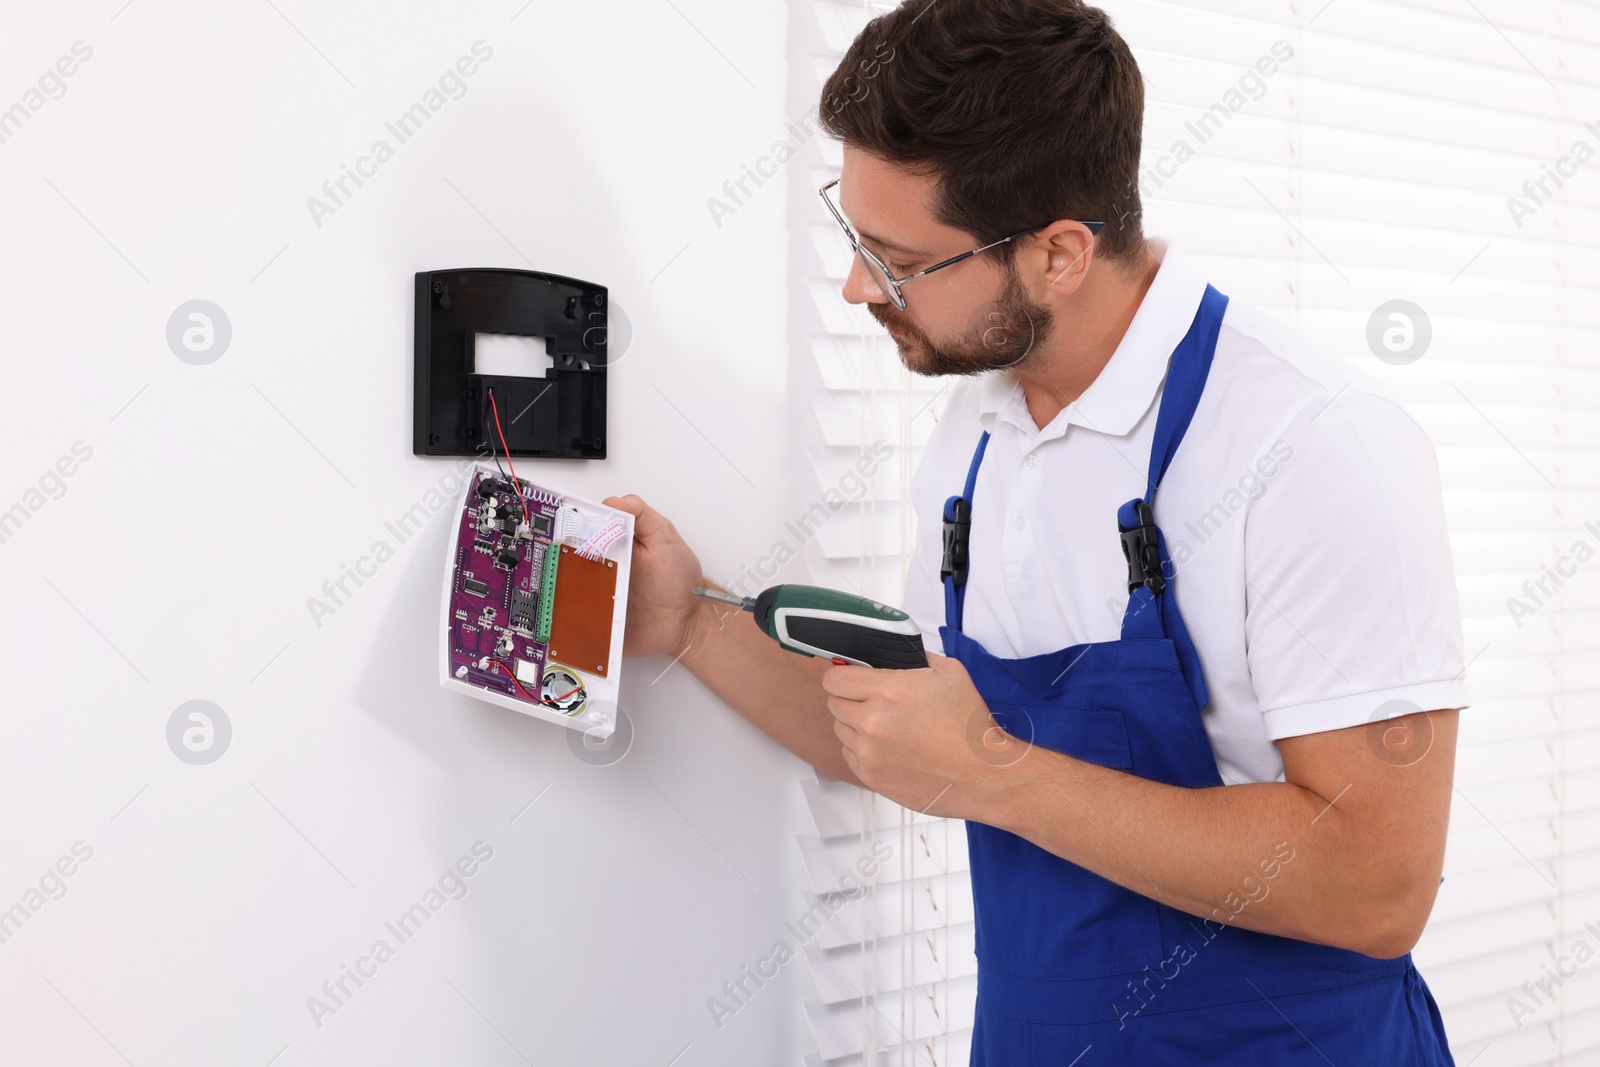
547	593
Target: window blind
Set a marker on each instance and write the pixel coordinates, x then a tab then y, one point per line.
1321	160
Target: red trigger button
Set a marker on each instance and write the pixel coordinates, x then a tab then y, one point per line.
841	662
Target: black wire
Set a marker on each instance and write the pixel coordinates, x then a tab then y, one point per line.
493	453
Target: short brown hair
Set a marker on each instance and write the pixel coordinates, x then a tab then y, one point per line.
1027	111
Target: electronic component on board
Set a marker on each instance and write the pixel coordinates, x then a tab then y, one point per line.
524	610
580	626
547	595
563	689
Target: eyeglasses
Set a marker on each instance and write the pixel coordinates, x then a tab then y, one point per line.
886	281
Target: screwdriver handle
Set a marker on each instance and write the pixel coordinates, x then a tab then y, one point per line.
843	626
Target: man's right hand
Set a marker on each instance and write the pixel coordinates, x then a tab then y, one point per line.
662	612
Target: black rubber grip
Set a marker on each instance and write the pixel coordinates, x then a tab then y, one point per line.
872	646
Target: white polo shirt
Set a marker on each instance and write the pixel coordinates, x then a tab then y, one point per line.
1303	513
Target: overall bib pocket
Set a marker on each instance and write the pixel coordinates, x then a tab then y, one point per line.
1061	920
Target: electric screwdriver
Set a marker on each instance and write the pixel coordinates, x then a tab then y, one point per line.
839	626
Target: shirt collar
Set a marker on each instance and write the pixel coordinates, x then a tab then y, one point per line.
1126	386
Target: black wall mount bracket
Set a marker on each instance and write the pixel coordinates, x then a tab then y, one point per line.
559	416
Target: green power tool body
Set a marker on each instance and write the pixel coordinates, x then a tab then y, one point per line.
832	625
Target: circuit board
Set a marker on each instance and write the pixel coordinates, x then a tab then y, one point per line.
514	542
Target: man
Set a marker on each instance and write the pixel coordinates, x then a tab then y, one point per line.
1207	836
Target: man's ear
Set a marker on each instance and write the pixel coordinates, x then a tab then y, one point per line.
1068	247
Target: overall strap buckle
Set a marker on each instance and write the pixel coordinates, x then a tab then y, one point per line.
957	534
1141	549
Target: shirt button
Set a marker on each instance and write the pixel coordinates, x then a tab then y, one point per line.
1031	462
1019	522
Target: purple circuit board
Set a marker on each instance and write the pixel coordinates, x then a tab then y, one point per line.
495	592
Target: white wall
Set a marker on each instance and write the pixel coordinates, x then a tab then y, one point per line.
177	563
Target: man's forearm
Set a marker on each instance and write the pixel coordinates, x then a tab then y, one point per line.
780	691
1272	857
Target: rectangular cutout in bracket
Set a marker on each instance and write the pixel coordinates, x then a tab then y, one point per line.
508	355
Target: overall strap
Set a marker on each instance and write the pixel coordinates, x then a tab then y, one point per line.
1152	612
957	535
1186	380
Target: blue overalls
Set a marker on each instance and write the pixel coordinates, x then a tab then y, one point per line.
1076	970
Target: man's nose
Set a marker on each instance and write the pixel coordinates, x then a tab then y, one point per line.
859	288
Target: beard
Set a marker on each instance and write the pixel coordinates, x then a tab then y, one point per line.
1002	334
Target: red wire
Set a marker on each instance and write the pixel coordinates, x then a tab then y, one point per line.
510	674
515	486
527	694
